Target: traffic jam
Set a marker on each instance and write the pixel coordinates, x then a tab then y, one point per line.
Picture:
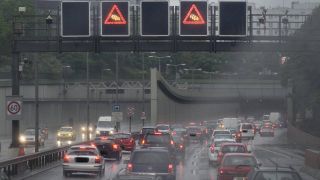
157	152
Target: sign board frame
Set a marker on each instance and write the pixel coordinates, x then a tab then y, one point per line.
117	116
142	15
128	19
180	13
61	18
246	29
14	100
115	108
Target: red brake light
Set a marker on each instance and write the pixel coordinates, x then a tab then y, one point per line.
115	146
66	159
93	145
97	159
212	148
142	142
181	146
221	171
157	133
131	140
129	167
170	168
171	142
174	133
104	138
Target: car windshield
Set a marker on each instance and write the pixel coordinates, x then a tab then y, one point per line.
233	149
29	132
277	176
236	160
68	129
223	136
157	139
150	158
105	124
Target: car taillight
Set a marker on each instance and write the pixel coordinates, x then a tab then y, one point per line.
142	141
220	171
129	167
115	146
66	159
181	146
212	148
174	133
131	140
220	154
171	142
97	159
170	168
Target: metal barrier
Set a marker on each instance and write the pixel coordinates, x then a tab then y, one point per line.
34	161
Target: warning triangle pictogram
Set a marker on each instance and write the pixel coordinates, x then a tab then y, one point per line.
193	16
115	16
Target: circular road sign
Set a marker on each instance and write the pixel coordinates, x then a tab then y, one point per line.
14	107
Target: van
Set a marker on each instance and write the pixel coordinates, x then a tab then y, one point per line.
105	126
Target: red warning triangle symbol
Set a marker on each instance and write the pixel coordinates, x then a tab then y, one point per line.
193	16
115	16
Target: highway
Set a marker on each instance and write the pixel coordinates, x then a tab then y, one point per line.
268	150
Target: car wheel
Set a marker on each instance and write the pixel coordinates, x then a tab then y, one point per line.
66	174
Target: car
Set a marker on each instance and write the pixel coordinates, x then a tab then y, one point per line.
223	137
231	148
220	131
211	126
84	159
125	140
163	128
84	131
214	148
108	148
155	161
274	173
45	132
194	133
267	131
176	126
28	137
158	139
66	133
179	132
246	131
257	126
144	130
236	166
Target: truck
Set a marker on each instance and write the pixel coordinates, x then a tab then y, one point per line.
275	118
230	123
105	126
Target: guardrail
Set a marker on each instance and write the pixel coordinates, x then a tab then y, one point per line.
34	161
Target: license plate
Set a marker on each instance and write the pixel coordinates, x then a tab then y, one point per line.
239	178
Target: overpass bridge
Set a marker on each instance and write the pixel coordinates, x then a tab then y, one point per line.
65	102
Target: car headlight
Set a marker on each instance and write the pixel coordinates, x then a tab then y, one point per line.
97	132
111	132
59	134
90	129
22	139
83	128
70	134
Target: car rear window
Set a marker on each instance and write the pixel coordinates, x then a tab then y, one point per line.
239	161
82	153
277	175
194	130
147	130
218	143
223	136
163	127
150	158
247	126
122	136
158	139
221	132
233	149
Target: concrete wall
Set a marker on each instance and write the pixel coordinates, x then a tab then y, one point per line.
302	138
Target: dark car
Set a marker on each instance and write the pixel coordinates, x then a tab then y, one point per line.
158	139
194	133
274	173
144	131
108	147
125	140
154	161
180	145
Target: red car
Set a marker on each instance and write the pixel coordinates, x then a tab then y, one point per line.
236	166
125	140
231	148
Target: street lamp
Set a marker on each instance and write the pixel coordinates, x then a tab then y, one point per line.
192	71
159	58
176	66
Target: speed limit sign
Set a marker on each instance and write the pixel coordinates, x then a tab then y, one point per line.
13	107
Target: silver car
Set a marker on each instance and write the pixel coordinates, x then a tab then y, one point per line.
84	159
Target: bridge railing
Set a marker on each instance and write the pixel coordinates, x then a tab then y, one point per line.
28	163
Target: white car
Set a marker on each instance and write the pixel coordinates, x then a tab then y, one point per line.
214	148
246	131
85	159
28	137
163	128
220	131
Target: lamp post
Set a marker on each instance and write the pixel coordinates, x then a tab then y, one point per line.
192	72
88	96
159	58
176	66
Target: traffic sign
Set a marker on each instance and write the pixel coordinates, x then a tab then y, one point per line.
193	18
115	18
75	19
233	18
117	116
154	18
13	107
115	108
131	111
143	116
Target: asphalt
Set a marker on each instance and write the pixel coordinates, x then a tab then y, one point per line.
268	150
